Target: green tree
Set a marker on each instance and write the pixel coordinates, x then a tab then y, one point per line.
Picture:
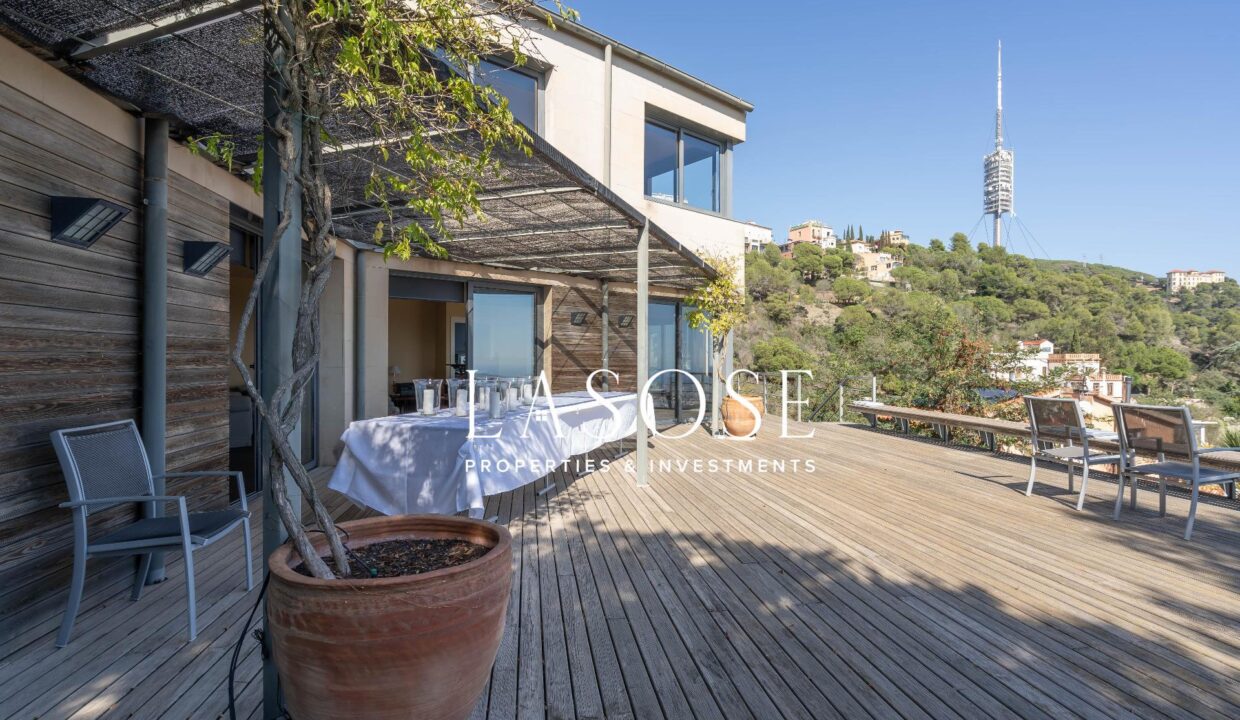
1027	309
762	280
771	252
780	353
850	291
807	260
960	244
937	245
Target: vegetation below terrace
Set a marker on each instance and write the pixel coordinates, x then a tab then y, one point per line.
929	338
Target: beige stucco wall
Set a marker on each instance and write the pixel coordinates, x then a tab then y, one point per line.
574	117
336	358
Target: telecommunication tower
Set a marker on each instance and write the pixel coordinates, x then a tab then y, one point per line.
998	168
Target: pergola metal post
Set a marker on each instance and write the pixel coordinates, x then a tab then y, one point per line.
643	349
155	311
606	333
359	335
277	311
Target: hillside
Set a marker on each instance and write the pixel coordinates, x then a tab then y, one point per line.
929	337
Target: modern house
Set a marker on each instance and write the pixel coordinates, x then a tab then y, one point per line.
627	151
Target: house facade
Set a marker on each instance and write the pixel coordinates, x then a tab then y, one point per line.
1178	280
814	231
757	236
876	266
619	133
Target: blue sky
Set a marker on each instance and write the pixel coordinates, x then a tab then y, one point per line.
1123	116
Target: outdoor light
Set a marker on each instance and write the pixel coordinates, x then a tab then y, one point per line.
80	221
579	317
625	321
201	257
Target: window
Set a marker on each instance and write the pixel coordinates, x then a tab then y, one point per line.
503	332
661	162
520	87
682	167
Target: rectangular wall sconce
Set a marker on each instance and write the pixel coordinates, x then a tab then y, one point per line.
80	221
578	317
625	321
201	257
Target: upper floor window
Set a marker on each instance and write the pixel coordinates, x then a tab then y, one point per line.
682	167
519	86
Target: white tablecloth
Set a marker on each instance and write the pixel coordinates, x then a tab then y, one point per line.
428	464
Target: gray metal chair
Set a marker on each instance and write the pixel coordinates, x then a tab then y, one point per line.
1059	435
105	466
1158	430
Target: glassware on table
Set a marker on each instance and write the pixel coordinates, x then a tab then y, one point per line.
458	396
527	390
427	394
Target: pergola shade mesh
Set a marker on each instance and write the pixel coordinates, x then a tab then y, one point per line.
542	212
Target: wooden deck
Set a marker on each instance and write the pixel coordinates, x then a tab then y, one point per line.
897	578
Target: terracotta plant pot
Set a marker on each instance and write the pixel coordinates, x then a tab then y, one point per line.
419	646
737	420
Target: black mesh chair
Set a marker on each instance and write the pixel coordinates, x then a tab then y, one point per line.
1158	430
105	466
1059	435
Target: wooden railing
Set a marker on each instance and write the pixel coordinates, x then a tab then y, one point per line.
942	423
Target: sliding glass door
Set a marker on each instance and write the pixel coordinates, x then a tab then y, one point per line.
662	336
502	331
695	360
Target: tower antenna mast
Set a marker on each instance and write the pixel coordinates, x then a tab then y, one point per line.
998	167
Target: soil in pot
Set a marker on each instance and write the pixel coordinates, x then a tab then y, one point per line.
397	558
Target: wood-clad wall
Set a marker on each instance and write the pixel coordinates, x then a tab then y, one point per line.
70	322
577	350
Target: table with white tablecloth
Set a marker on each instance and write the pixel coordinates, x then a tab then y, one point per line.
428	463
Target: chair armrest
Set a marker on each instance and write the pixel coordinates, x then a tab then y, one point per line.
236	475
180	499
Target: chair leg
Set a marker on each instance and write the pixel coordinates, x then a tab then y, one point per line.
1132	482
1162	497
1119	494
1080	502
1192	514
249	562
1033	470
189	592
75	595
1069	475
144	567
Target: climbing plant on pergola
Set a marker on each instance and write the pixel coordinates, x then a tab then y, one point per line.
395	76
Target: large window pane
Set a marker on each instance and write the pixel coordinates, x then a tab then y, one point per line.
661	161
662	334
520	89
502	322
694	359
701	173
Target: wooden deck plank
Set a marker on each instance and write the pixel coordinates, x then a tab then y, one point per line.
901	578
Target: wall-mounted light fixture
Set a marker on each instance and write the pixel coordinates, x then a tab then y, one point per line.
80	221
201	257
578	317
625	321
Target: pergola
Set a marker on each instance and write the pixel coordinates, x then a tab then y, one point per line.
198	67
